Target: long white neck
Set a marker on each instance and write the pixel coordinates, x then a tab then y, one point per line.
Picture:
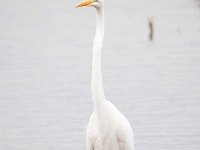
96	83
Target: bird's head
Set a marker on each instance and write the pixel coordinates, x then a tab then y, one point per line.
95	3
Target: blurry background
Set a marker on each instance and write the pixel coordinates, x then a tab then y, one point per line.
45	72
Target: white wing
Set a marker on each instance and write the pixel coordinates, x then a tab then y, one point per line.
125	134
127	145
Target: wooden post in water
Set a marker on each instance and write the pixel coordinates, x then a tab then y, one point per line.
151	29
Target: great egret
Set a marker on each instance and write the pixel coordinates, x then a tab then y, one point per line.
108	128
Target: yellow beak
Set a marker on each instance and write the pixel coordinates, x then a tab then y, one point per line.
84	3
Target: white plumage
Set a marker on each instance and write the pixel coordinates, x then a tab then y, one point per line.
108	128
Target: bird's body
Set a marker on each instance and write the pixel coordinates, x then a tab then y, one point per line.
108	128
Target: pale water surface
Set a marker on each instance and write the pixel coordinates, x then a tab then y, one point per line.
45	72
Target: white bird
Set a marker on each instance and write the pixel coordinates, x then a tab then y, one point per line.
108	128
